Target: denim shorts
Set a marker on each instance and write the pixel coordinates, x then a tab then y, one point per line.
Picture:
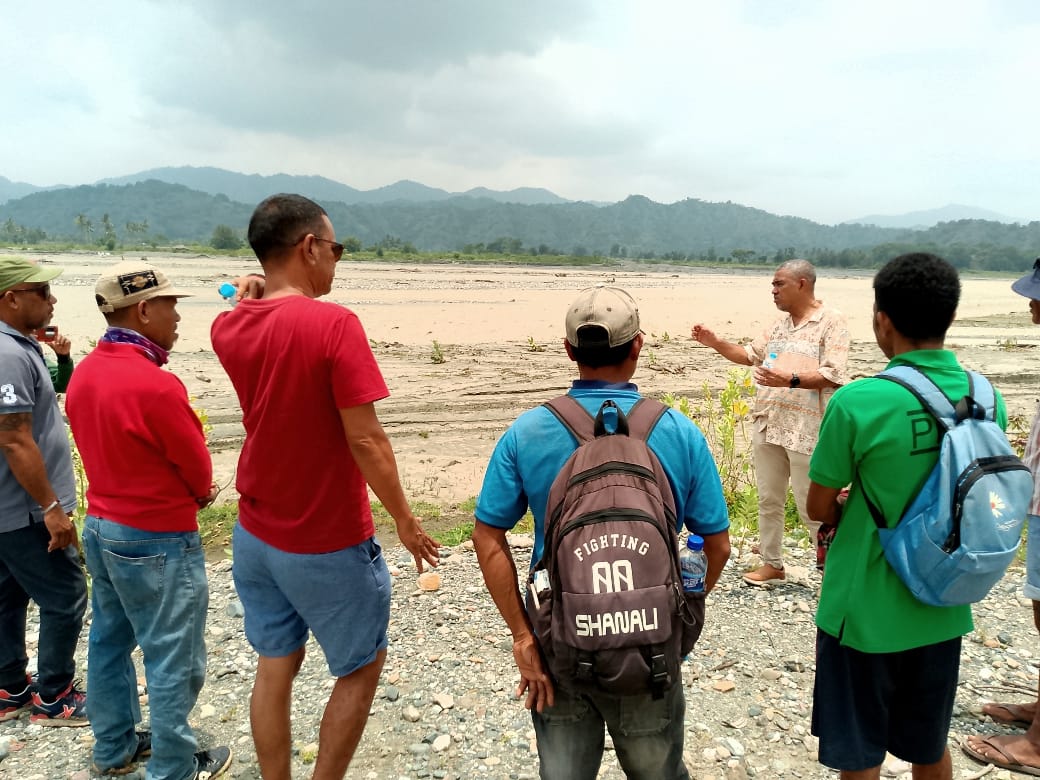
1031	590
343	597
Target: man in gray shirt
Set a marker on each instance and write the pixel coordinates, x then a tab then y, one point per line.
39	557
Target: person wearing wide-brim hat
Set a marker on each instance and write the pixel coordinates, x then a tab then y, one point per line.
1021	752
1029	286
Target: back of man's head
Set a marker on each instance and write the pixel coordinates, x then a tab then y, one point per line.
919	293
602	322
280	221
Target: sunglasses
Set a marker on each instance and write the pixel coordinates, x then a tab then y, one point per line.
337	248
44	292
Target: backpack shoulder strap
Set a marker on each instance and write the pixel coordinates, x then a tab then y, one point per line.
926	391
981	392
875	511
573	417
644	416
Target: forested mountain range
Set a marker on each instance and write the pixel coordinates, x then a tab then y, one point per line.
253	188
159	212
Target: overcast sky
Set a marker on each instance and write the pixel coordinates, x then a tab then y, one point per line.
816	108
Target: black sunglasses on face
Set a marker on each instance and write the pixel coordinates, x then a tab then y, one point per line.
44	292
337	248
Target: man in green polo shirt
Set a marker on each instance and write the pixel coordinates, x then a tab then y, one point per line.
887	664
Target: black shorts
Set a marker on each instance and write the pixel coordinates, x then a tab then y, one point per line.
865	704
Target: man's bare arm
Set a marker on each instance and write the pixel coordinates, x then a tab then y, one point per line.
822	504
27	466
810	380
499	570
716	550
733	352
375	457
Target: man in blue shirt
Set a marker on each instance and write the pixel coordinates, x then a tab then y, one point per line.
604	340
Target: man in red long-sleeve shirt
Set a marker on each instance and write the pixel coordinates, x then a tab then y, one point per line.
149	473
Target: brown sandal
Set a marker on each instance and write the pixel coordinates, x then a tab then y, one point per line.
1008	714
1005	758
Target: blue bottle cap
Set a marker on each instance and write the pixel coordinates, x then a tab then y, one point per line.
227	290
695	542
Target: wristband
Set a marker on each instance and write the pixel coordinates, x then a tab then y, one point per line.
51	506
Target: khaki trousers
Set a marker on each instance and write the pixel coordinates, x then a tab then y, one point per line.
775	467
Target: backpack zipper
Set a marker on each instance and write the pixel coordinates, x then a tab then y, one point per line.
612	467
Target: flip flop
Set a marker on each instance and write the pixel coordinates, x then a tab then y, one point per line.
1008	714
1009	761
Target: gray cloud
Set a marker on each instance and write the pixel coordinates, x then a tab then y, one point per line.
394	35
451	77
825	110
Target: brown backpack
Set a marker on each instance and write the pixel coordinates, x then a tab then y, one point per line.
606	598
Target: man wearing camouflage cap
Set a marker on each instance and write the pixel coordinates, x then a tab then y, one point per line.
149	473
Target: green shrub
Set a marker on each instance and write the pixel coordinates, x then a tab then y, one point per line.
723	417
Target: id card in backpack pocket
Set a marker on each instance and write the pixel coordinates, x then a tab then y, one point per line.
539	604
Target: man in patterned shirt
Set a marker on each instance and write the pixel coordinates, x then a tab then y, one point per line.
799	360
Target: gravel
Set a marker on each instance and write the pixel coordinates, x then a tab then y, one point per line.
445	707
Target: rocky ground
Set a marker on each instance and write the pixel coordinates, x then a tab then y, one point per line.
445	708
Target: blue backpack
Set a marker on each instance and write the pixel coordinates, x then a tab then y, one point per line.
961	531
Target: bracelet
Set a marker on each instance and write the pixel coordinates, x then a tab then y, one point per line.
51	506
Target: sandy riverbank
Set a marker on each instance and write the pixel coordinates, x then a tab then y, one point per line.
500	331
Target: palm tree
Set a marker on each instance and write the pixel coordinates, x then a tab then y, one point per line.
86	227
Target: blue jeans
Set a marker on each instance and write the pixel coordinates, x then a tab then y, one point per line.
149	589
56	583
648	735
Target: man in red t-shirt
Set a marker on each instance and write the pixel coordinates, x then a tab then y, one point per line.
305	555
149	472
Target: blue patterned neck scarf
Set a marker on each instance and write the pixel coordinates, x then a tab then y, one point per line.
151	350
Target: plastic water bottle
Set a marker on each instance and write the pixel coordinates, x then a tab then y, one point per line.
770	361
694	564
227	292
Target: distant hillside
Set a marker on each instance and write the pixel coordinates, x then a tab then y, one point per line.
525	195
635	227
930	217
9	190
241	187
170	210
253	188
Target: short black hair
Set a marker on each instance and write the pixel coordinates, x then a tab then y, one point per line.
281	220
919	292
595	350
